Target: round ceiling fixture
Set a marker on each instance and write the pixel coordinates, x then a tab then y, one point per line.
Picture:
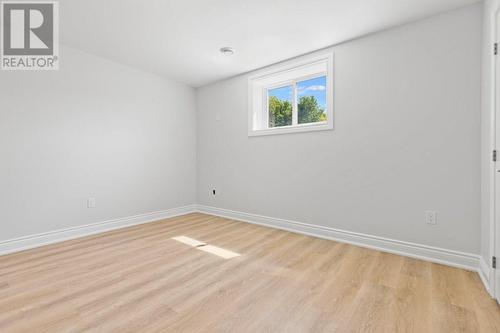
227	50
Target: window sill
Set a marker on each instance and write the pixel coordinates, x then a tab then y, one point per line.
324	126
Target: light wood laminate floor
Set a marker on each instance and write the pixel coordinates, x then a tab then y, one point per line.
139	279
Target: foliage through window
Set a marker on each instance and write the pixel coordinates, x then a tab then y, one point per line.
297	98
312	100
280	106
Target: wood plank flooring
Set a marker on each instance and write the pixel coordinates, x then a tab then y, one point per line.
139	279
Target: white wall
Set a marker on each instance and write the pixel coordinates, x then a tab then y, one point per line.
92	129
406	140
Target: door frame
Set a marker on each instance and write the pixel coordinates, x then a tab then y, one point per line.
492	14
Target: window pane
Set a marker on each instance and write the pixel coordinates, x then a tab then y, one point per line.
280	106
311	96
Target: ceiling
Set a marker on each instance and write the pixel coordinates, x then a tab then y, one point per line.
180	39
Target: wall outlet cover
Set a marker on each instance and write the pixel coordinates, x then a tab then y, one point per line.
431	217
91	203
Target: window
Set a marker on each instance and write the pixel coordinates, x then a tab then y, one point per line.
296	97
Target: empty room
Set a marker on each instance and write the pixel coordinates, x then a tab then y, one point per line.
249	166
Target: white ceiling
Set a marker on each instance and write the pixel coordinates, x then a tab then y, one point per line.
180	39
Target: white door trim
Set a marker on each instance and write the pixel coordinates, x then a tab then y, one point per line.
494	79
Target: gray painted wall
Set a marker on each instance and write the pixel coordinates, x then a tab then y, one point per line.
92	129
406	140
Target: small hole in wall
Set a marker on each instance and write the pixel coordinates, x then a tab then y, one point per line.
213	192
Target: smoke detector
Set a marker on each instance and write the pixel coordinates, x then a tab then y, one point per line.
227	50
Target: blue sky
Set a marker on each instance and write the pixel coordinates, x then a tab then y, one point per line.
314	87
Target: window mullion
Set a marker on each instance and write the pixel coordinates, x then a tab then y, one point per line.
295	110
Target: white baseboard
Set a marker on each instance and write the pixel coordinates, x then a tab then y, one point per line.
29	242
484	272
438	255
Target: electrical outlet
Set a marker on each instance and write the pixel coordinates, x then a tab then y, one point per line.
431	217
91	203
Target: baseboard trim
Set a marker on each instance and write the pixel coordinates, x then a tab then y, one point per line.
453	258
29	242
484	273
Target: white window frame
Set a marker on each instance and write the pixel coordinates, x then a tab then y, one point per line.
289	74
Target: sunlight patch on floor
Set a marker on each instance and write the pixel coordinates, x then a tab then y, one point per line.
189	241
218	251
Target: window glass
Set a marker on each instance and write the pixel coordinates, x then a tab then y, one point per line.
311	99
280	106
